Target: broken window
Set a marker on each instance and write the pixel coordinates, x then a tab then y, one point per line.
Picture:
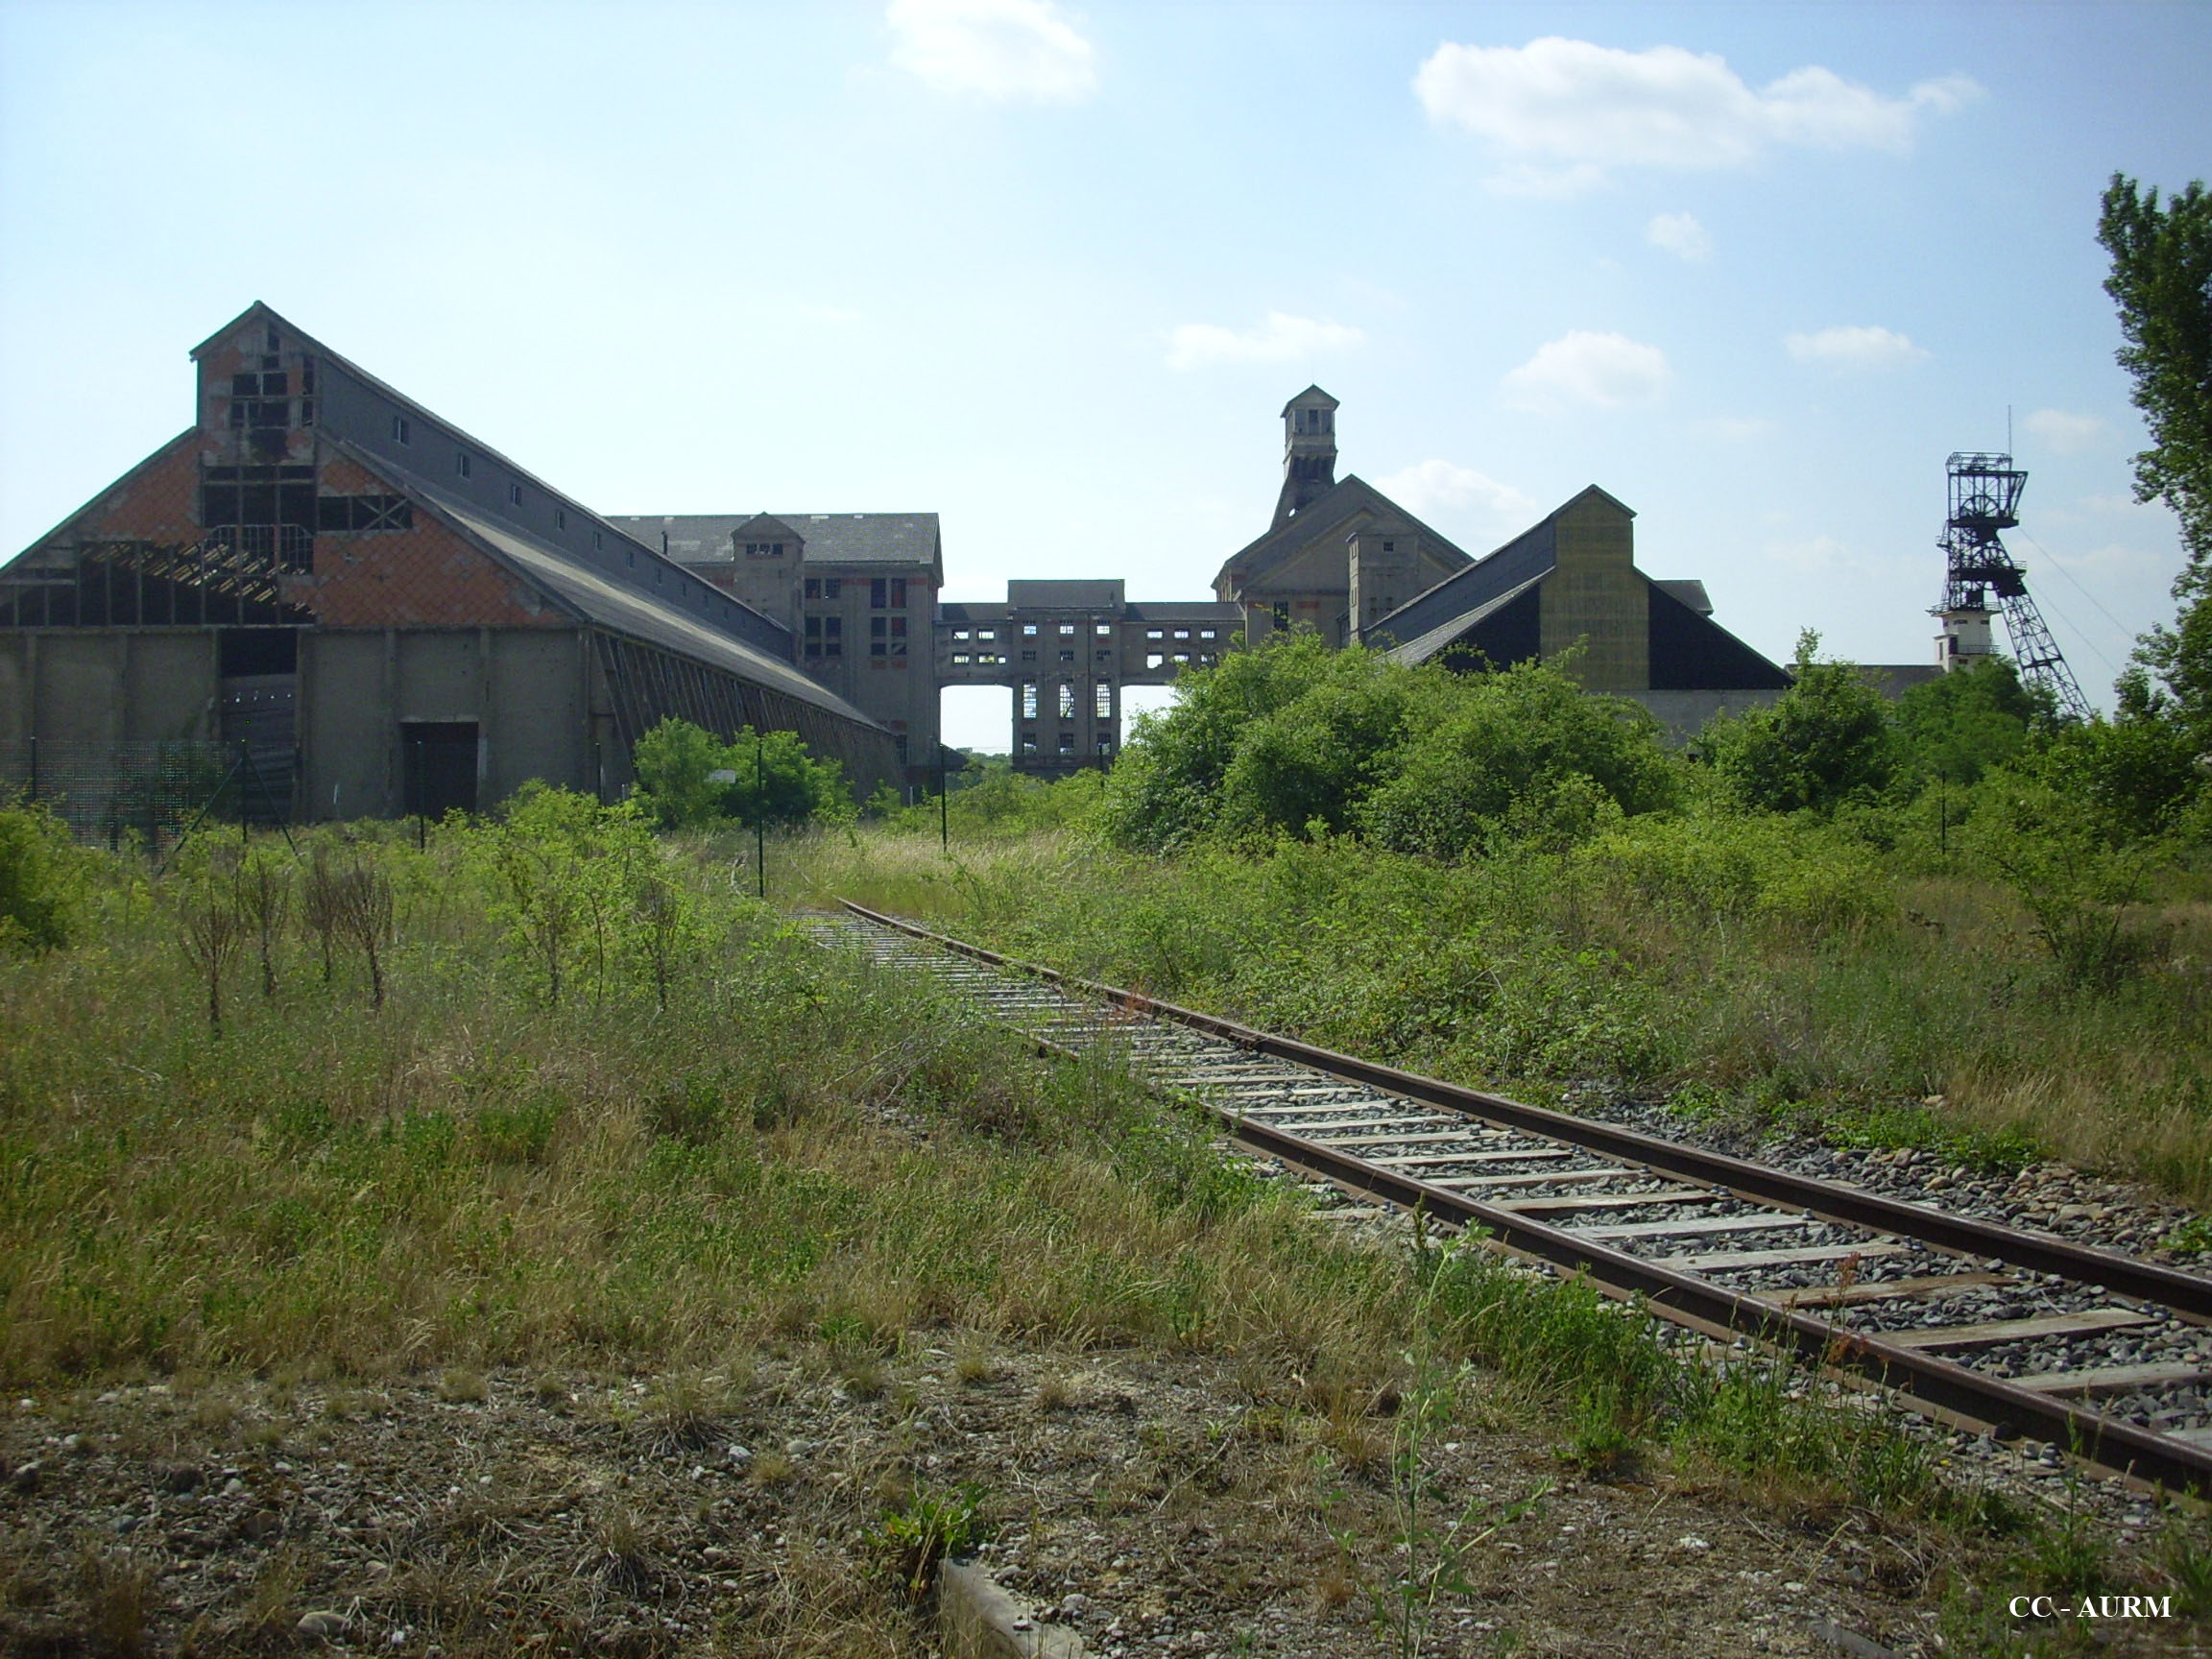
1105	656
1105	745
898	635
1155	634
1028	699
1102	700
461	463
1205	632
1029	742
1028	656
813	588
832	587
598	542
1066	700
764	549
561	522
1154	660
986	633
1105	630
959	633
878	637
349	512
1182	633
399	431
959	659
1066	655
261	401
1281	610
1066	630
1028	630
1067	742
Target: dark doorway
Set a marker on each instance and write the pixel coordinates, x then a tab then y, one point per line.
438	766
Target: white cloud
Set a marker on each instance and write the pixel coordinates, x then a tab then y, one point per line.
2066	434
1848	350
1003	49
1680	234
1568	109
1279	339
1607	369
1430	486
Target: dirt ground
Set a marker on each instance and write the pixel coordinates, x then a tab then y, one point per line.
1172	1504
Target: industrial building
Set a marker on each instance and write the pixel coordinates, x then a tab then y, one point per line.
383	612
372	612
1345	560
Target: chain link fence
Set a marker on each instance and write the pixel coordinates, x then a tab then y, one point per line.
148	793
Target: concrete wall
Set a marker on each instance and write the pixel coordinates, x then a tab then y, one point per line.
104	686
1684	713
524	691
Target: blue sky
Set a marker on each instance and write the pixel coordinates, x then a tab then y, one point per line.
1050	270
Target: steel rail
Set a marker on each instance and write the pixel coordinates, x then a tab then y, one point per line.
1942	1385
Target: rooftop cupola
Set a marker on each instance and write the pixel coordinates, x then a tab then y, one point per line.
1309	451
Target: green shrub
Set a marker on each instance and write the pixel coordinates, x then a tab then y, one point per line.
1792	870
686	779
41	881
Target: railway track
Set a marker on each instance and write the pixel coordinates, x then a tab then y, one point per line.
1982	1326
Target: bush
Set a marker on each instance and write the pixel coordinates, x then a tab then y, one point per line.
1825	742
1797	872
688	780
40	879
1302	742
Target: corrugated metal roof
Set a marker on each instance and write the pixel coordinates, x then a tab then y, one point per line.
1437	638
623	611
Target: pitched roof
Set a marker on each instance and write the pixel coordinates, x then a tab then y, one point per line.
591	597
1456	627
260	311
1531	553
830	537
1315	392
1348	495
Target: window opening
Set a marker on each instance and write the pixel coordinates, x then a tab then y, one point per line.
399	429
1066	700
1102	700
461	462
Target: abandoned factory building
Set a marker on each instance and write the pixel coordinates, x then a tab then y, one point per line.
1345	560
385	615
388	614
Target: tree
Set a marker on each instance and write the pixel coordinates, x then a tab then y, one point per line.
2162	282
1959	725
1824	741
687	779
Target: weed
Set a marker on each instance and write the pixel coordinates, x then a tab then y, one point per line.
118	1588
2185	1557
928	1527
462	1386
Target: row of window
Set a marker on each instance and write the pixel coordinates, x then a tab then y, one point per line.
1105	745
1068	631
1101	700
884	593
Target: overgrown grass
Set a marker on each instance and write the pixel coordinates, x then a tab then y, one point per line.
1768	969
554	1122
